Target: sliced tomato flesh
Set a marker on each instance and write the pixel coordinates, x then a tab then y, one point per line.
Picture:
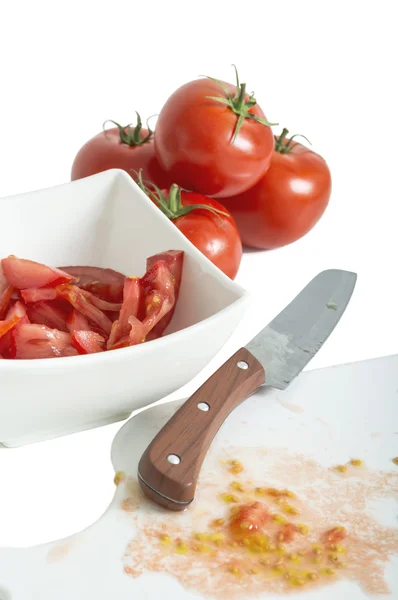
174	260
35	294
75	321
106	284
47	313
158	285
5	299
22	273
18	310
101	304
73	294
8	324
38	341
132	305
88	342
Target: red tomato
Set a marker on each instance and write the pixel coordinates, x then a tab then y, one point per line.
136	335
49	314
39	341
107	284
287	202
88	342
22	273
127	148
77	322
131	307
250	518
159	296
35	294
7	325
76	298
174	260
5	299
18	310
213	138
205	222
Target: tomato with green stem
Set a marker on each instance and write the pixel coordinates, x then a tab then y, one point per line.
213	138
120	147
288	201
204	221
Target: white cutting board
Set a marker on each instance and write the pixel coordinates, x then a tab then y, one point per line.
329	415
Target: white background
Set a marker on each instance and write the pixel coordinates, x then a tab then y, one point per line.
325	69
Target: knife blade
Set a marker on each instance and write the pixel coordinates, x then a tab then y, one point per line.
169	468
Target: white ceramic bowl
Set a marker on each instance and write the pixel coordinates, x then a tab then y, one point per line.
107	221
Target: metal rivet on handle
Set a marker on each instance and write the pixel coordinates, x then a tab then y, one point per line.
242	364
203	406
173	459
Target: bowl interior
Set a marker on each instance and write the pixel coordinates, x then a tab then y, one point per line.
107	221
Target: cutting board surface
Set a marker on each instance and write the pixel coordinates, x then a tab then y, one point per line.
286	440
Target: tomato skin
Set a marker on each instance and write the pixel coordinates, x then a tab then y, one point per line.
194	144
215	235
286	203
106	151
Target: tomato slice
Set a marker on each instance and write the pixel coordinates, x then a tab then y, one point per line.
47	313
5	299
8	324
101	304
39	341
249	518
132	304
77	322
158	285
76	298
22	273
35	294
106	284
88	342
174	259
18	310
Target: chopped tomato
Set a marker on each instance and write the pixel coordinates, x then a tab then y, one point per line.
35	294
131	307
73	294
106	284
22	273
75	321
335	535
39	341
174	260
249	518
7	325
134	337
47	313
5	299
158	285
18	310
101	304
88	342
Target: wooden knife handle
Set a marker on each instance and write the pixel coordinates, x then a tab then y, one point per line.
186	437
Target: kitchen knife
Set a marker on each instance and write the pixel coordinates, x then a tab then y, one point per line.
169	468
